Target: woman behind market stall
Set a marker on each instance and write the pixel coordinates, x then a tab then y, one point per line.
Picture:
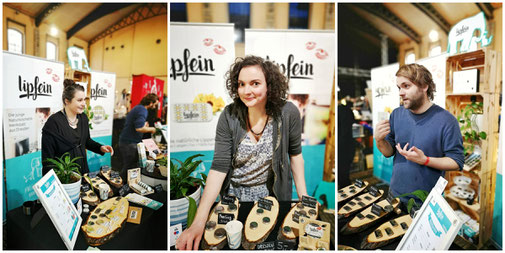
258	138
68	131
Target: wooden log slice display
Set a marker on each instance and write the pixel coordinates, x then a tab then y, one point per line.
89	196
96	181
366	218
259	223
387	232
106	173
214	237
289	230
352	190
105	221
358	203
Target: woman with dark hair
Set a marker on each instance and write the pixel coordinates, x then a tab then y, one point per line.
68	131
258	143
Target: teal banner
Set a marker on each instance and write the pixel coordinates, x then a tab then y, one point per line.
382	166
95	161
21	174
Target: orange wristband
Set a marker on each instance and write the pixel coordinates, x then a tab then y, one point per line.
427	161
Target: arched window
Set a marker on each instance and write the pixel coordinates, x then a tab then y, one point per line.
51	52
15	40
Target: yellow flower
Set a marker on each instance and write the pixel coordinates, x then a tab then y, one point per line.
216	103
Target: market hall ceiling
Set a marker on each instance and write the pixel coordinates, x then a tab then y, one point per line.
89	21
403	22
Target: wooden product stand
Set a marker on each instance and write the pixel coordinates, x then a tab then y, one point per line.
489	64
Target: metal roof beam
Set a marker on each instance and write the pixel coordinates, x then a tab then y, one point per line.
432	13
100	11
46	12
384	13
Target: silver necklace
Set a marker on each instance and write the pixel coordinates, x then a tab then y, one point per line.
72	123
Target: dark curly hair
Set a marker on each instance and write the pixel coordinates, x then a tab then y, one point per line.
277	87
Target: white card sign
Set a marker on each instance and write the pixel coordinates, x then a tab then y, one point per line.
59	207
435	225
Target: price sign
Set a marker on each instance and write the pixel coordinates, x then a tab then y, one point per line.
265	204
309	201
114	174
124	190
226	200
158	188
223	218
358	183
85	187
376	209
374	191
105	168
93	174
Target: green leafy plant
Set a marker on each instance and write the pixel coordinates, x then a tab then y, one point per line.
162	161
65	167
181	180
420	194
90	114
468	126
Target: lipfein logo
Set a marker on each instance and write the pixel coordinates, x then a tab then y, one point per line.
295	70
34	89
191	66
98	92
383	91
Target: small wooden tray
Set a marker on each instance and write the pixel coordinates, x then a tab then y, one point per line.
209	240
289	222
96	181
351	191
358	224
261	232
394	226
134	180
354	205
116	182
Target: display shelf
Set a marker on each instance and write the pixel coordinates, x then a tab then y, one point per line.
488	62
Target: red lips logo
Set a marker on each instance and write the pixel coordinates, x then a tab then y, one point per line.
108	83
310	45
56	78
49	70
218	49
321	54
208	41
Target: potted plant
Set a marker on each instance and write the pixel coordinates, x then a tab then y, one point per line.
157	135
162	163
68	173
185	190
469	127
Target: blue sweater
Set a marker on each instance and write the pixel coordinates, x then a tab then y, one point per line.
436	132
136	118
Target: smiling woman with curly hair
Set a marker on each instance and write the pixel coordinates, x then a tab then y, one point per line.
258	149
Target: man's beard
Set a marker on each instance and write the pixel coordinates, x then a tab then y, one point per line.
415	102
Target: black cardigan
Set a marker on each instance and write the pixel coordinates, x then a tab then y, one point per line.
56	134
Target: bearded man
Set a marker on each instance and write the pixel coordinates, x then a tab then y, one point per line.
424	138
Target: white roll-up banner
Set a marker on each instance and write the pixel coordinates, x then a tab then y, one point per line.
201	54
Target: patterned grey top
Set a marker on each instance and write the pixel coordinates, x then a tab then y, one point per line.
253	166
